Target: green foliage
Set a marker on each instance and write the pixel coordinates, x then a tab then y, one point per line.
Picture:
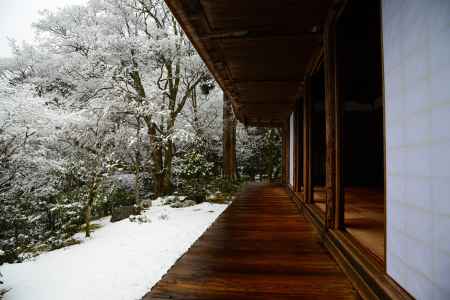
259	153
48	224
195	166
108	197
198	178
194	174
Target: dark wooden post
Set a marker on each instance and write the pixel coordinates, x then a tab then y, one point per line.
300	147
285	154
297	145
334	192
307	187
229	140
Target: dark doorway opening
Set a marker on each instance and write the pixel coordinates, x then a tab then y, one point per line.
360	94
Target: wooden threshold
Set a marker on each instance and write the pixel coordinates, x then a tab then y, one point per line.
363	269
363	217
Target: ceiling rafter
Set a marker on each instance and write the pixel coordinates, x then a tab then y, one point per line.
257	52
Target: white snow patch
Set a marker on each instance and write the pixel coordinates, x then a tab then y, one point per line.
121	260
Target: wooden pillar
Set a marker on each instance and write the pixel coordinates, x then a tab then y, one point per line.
307	186
285	154
334	191
298	162
229	140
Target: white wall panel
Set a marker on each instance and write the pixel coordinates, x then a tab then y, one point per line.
416	43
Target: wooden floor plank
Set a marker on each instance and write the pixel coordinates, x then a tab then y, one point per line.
261	247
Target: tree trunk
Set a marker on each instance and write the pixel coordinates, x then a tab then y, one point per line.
137	187
87	220
167	174
157	157
137	165
229	140
270	168
88	208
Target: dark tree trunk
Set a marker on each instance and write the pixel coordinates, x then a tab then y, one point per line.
229	140
88	207
167	172
157	158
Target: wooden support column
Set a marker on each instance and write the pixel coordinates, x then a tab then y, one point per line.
285	155
307	186
298	163
334	191
229	140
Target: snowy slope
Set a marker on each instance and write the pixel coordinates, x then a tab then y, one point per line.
122	260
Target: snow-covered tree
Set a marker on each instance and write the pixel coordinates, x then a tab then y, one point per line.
113	88
133	53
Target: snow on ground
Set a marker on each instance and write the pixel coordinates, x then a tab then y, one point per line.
121	260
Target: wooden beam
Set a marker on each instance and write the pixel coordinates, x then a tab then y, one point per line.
255	34
223	35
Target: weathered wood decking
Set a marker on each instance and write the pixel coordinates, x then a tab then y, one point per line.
261	247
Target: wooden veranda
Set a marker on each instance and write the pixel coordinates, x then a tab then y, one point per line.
261	247
315	70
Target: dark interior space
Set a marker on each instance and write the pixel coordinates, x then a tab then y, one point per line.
318	146
359	55
359	77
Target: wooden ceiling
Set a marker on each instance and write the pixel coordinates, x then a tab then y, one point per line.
257	50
